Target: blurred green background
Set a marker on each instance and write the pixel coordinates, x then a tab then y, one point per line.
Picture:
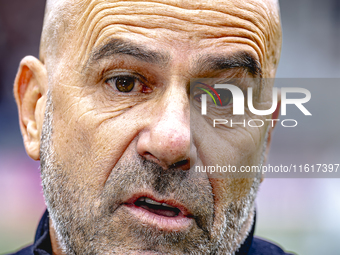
302	215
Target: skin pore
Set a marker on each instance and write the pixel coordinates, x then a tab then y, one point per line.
107	111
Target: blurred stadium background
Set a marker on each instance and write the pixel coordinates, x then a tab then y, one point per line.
302	215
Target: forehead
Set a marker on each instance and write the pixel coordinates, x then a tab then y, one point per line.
86	25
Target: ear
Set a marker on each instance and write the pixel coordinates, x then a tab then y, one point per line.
30	89
275	116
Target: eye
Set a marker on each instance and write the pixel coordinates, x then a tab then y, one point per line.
198	97
123	84
225	95
128	83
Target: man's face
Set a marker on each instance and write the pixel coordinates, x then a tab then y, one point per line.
118	152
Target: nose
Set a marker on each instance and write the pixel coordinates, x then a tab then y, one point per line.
166	138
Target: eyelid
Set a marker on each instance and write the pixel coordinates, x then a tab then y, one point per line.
197	91
239	82
123	73
115	74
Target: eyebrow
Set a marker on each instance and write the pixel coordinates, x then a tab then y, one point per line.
123	47
237	60
117	46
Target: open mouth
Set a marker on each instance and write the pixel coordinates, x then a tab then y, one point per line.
155	207
166	214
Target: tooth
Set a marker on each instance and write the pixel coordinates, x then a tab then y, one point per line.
141	199
164	204
150	201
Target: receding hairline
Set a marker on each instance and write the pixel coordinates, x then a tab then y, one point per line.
60	13
57	15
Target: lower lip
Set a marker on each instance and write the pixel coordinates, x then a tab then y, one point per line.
170	224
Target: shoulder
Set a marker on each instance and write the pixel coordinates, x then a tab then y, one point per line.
264	247
25	251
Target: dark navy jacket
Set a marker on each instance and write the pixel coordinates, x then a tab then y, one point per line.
251	246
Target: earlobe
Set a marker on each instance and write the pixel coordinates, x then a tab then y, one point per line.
30	88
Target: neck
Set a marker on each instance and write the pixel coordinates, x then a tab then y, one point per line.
56	249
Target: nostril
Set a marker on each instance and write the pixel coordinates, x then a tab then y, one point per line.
150	157
147	155
180	164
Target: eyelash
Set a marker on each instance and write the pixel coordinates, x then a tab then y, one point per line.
137	82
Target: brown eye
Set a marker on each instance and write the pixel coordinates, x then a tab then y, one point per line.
125	83
225	95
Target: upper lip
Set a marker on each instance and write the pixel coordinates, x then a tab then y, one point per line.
169	201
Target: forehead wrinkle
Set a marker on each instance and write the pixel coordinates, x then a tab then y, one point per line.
170	11
258	36
97	13
237	35
263	21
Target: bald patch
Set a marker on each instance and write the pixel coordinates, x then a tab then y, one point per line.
65	19
58	15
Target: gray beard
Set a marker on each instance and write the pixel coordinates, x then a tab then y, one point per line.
87	222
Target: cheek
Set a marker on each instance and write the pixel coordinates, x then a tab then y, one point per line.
232	187
228	193
230	147
91	136
228	190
